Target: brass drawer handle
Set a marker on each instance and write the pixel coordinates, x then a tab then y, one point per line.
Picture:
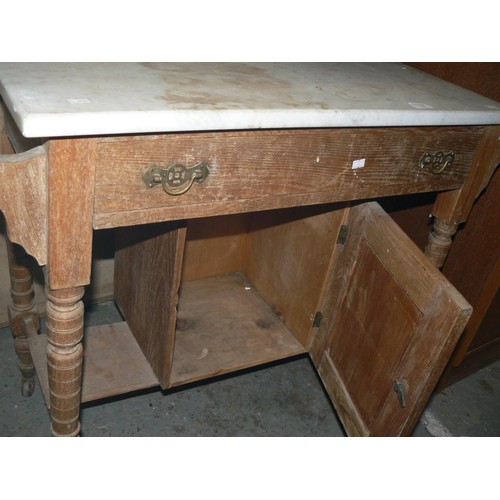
437	161
176	179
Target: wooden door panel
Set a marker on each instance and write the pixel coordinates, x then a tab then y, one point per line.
372	301
395	319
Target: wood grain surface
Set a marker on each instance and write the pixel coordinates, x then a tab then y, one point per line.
71	168
395	317
224	325
23	200
260	170
148	263
113	364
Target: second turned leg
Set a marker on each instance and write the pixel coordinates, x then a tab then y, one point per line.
65	358
23	317
439	242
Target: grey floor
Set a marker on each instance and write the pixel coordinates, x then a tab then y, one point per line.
283	399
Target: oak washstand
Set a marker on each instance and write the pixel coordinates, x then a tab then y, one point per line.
243	198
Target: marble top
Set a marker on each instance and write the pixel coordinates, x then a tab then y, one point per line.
71	99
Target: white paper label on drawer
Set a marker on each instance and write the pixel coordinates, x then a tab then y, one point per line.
358	163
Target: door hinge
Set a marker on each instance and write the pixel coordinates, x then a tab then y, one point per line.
344	229
317	319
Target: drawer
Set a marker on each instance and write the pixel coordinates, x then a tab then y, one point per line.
260	170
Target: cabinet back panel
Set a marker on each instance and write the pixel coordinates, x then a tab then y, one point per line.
214	245
285	254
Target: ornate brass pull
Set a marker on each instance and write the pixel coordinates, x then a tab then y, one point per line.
176	179
437	162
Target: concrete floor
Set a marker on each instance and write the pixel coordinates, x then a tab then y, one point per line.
283	399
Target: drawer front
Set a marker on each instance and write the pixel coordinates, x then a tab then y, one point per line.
259	170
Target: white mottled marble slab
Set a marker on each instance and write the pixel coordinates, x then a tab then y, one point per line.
71	99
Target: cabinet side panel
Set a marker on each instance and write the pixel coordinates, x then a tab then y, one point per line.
287	259
148	266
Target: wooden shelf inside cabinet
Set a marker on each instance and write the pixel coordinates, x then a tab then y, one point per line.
224	325
114	363
223	317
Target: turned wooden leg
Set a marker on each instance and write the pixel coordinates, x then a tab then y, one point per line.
439	242
22	316
65	358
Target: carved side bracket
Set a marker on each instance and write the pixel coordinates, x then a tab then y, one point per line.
23	200
453	207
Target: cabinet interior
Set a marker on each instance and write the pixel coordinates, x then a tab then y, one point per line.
213	295
206	297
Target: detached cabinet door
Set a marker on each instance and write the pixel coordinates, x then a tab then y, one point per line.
393	325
